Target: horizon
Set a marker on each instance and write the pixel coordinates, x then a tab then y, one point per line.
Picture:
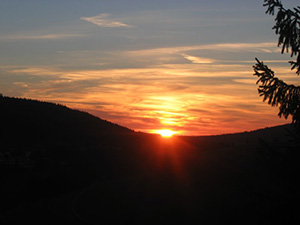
164	133
182	66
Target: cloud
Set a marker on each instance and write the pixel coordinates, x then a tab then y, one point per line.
102	20
221	53
265	61
39	36
191	98
197	60
34	71
232	47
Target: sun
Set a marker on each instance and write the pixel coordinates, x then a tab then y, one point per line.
166	133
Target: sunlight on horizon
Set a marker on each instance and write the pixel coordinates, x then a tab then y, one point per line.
166	133
181	72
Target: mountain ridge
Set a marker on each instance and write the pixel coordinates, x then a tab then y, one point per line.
35	117
32	105
48	151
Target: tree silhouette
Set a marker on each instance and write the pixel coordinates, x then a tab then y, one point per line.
274	90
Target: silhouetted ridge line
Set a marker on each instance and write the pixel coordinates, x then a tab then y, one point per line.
43	119
49	152
48	149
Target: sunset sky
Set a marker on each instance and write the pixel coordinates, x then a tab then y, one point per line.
183	65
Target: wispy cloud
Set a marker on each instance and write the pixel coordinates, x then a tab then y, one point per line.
235	47
103	20
221	53
198	60
39	36
34	71
184	97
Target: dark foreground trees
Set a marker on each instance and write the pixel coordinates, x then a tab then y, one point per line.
273	90
282	161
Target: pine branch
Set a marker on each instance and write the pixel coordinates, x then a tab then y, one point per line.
287	26
277	92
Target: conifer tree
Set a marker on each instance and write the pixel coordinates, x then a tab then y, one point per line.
275	91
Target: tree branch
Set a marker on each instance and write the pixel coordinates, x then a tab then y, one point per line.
287	26
277	92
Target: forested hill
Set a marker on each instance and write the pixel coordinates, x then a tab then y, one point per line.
32	119
50	153
47	149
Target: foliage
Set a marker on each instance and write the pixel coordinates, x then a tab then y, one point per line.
274	90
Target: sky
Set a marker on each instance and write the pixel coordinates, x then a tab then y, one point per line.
183	65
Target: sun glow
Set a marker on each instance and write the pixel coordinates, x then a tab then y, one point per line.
165	133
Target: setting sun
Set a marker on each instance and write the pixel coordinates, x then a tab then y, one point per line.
166	133
192	83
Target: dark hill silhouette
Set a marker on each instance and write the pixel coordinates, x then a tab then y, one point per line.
60	165
26	118
48	149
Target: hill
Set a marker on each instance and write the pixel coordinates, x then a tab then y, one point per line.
47	149
25	118
67	163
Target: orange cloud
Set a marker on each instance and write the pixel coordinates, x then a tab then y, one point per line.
193	99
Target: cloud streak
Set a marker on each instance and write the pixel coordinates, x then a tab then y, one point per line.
235	47
39	36
184	97
103	20
197	60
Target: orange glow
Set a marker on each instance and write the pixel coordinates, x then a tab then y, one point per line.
193	102
165	133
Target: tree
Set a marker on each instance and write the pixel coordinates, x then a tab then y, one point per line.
274	90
